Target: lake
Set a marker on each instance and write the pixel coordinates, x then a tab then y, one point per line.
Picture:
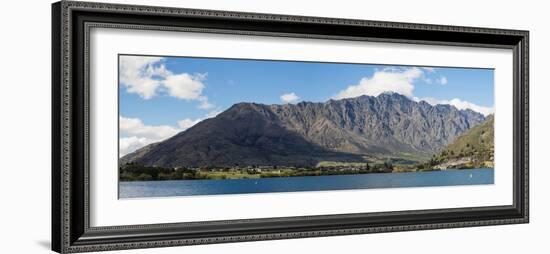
305	183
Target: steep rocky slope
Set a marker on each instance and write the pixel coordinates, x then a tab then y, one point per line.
389	125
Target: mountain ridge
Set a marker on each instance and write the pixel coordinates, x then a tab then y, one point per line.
389	124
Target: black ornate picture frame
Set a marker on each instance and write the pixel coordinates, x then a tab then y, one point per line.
71	230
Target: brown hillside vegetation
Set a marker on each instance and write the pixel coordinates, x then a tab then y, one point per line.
473	149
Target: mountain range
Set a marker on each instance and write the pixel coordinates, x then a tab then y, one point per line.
357	129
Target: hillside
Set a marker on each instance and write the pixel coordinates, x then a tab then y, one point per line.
389	125
473	149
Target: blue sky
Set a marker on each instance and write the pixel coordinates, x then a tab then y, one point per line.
156	94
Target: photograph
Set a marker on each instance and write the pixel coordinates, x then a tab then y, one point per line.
222	127
206	126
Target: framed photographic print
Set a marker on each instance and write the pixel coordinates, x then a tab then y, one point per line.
181	126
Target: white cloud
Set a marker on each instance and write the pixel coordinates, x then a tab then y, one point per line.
140	75
147	76
135	134
130	144
442	80
399	80
428	80
204	104
188	123
184	86
289	97
459	104
213	113
135	127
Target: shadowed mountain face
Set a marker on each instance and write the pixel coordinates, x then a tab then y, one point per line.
389	125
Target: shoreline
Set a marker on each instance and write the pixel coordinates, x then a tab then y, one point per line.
217	175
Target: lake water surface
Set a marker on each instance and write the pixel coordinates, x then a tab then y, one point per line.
305	183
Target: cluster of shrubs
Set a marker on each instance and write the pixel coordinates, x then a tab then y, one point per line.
134	172
477	156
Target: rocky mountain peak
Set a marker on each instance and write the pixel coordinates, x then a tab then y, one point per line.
387	125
